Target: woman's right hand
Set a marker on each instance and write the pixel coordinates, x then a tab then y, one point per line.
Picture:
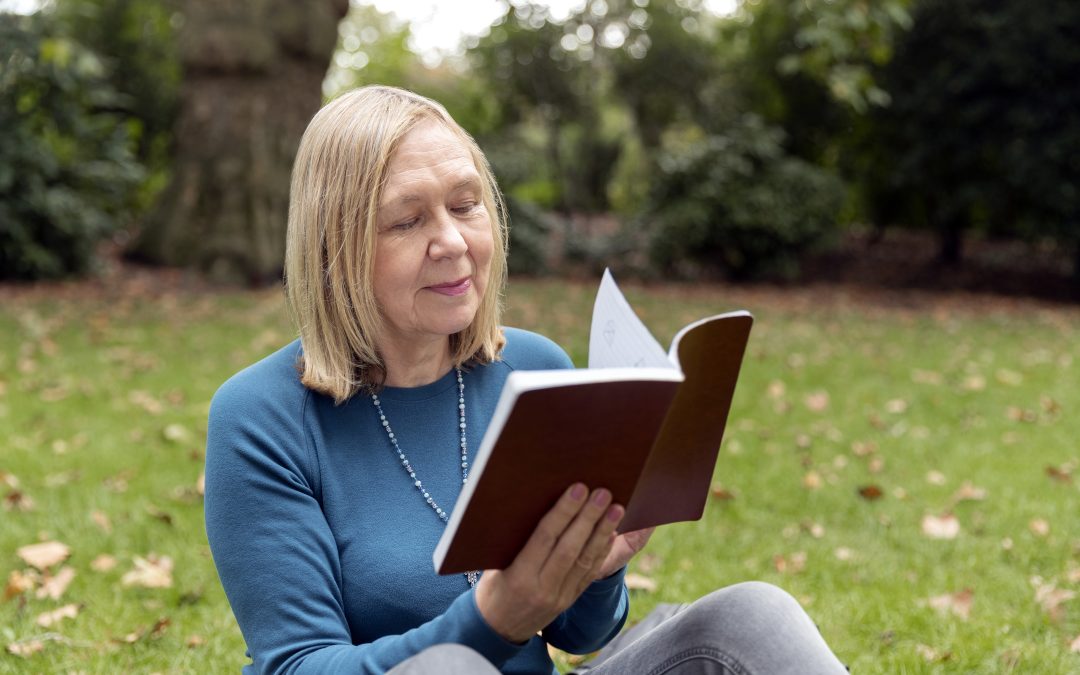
562	557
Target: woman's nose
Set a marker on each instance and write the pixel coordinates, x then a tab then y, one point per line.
447	240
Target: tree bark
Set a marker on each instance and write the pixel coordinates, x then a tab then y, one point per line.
253	72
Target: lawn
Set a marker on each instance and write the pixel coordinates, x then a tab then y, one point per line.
907	466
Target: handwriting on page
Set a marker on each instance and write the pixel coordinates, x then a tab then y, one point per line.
618	338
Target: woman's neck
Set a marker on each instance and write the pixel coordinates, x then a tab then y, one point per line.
415	365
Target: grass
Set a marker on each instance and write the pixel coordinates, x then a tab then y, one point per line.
104	394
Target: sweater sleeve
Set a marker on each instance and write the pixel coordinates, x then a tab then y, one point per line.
277	558
592	621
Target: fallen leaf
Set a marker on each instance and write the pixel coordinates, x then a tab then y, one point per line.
812	480
944	527
103	563
1051	598
54	586
1073	575
101	519
17	500
875	465
931	654
1039	527
720	493
26	648
150	572
44	555
1074	646
935	478
896	406
958	603
817	401
647	562
1062	474
638	582
47	619
870	492
968	492
9	480
20	582
863	449
176	433
1009	377
194	641
792	564
975	383
119	482
163	516
844	553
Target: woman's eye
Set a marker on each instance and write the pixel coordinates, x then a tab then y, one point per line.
465	208
406	225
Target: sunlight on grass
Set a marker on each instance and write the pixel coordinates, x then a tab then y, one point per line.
853	423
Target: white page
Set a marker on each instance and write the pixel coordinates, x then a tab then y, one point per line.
618	338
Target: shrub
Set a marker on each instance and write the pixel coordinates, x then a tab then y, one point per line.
735	202
67	175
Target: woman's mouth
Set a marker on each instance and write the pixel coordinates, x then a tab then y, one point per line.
458	287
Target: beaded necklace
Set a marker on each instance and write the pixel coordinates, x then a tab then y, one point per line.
473	576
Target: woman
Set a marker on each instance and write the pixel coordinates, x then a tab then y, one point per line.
331	464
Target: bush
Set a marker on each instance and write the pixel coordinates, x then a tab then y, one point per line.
735	202
67	175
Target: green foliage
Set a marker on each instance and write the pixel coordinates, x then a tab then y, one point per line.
735	201
67	175
982	137
136	42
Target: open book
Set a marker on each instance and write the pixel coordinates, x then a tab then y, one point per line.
643	423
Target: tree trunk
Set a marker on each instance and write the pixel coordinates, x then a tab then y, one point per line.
253	72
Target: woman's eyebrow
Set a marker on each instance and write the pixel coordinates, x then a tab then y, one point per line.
409	197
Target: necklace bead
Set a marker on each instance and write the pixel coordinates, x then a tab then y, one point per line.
471	577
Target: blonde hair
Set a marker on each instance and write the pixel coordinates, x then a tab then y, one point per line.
338	179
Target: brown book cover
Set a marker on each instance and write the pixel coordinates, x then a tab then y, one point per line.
650	435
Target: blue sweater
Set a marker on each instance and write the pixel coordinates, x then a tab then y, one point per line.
322	542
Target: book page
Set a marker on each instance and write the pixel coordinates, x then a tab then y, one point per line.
618	338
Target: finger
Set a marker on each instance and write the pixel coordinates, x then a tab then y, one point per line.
596	551
574	539
546	535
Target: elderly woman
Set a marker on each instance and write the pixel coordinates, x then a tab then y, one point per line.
332	463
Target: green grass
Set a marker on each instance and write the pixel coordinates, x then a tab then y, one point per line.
103	400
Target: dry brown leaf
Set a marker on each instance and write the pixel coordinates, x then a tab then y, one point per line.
958	603
721	493
54	586
1051	598
863	449
941	527
896	406
935	478
875	465
1074	646
844	553
17	500
46	619
776	389
812	480
1039	527
194	641
9	480
44	555
26	648
817	401
931	654
870	492
1062	474
20	582
968	492
101	519
792	564
1073	575
103	563
639	582
150	572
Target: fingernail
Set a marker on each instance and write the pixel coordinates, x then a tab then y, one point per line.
615	513
577	492
601	497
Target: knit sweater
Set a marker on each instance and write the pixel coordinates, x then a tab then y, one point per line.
322	542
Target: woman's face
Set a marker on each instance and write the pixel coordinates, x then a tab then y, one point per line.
434	241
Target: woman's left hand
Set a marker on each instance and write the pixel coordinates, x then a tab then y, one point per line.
626	546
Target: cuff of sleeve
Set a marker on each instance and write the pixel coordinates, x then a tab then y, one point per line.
477	634
605	585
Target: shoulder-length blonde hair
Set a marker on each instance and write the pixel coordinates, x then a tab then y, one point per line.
338	179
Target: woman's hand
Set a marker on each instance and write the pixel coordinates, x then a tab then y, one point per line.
626	546
563	556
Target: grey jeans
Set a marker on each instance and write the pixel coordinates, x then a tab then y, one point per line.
750	628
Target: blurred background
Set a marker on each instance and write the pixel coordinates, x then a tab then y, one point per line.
898	142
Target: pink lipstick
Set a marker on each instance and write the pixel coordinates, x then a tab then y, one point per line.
452	288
